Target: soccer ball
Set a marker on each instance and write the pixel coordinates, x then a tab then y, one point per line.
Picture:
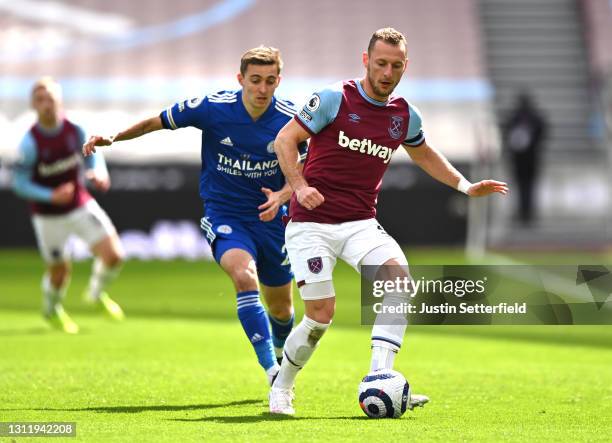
384	394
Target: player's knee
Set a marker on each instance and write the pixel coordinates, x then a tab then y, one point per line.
320	300
244	279
113	259
59	274
322	316
393	269
321	311
110	251
281	311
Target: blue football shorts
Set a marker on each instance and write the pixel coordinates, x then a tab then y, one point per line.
264	241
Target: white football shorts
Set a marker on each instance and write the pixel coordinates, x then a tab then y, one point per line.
89	222
314	247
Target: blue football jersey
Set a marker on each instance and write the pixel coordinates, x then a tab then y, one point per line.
238	157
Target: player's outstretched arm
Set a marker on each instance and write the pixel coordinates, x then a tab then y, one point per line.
139	129
286	147
435	164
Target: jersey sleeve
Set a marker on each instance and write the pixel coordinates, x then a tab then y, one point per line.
320	110
193	112
95	161
22	174
415	136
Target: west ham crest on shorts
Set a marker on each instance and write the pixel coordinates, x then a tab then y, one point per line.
315	264
395	130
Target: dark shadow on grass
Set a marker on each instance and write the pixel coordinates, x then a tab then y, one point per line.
266	416
29	331
136	409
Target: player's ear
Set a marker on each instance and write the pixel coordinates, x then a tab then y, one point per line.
240	79
365	59
278	80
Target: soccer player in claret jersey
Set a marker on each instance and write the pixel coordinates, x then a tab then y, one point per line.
49	175
354	127
244	192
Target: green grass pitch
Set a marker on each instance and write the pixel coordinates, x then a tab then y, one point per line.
179	368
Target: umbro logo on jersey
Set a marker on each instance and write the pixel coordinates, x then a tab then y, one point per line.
227	141
354	118
256	337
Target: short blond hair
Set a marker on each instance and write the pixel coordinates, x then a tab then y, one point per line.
387	35
261	55
50	84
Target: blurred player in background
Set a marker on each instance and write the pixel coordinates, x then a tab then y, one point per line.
49	175
244	192
354	126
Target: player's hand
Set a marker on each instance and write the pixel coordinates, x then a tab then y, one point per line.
99	181
270	207
486	187
309	197
96	140
63	194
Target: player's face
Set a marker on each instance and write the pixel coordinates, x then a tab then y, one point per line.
258	85
46	104
385	66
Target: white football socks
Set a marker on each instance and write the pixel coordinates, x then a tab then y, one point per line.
388	334
101	276
382	357
52	296
299	347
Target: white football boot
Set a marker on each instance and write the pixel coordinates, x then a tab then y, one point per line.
417	400
281	401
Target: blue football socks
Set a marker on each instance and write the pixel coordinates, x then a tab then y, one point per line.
255	323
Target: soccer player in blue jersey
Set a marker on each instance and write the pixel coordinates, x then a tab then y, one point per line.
244	192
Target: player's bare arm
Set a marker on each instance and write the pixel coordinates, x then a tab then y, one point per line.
435	164
139	129
286	147
99	181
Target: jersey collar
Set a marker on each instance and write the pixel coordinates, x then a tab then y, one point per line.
51	132
366	96
246	114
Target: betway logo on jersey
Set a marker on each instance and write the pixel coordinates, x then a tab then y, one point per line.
58	167
365	146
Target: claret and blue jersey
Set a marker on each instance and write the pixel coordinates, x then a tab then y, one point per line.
49	158
353	138
238	157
